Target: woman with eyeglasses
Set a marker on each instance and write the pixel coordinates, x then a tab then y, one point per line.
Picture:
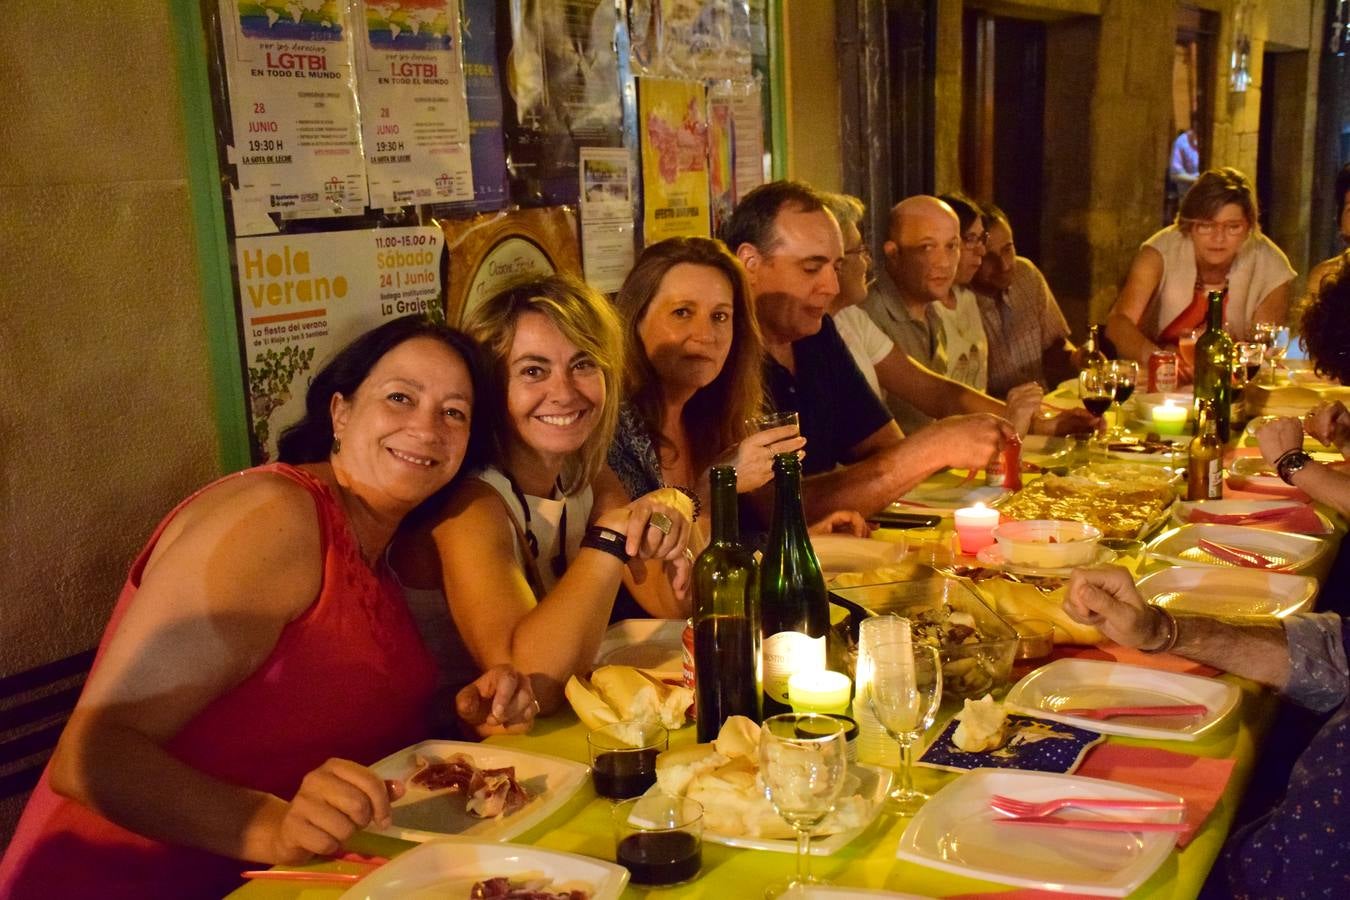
967	344
1215	245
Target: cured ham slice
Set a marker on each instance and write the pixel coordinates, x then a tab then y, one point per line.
502	888
490	792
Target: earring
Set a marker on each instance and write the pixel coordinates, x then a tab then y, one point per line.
337	445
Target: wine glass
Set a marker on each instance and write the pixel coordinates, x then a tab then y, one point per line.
1124	376
1096	390
905	693
1267	334
803	760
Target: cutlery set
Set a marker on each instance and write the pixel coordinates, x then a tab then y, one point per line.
1041	813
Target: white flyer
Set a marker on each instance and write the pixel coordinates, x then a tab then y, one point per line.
304	296
297	144
414	112
606	206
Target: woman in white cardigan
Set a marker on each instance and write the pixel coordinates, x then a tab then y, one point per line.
1215	245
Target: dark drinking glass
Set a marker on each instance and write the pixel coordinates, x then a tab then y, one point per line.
1123	393
1098	405
623	757
726	618
665	857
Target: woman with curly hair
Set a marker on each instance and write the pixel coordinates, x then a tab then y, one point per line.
529	557
1215	245
1326	336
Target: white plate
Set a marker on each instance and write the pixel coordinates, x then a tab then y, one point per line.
1260	473
1164	455
949	497
1215	591
656	645
421	815
845	553
993	557
870	781
1182	510
1181	545
955	832
447	868
1074	683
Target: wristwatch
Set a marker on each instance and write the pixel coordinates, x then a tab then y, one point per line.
1290	463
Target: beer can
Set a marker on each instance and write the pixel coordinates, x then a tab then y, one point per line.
1162	371
687	665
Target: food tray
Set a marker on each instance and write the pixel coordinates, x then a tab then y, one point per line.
969	669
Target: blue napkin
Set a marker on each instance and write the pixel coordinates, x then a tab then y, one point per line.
1033	745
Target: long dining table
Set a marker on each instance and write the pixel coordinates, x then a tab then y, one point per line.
583	826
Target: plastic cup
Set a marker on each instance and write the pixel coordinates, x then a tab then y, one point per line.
659	838
623	757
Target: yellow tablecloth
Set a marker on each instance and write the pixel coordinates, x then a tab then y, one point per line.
583	826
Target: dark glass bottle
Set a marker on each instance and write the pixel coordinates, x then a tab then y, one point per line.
726	618
1093	354
794	606
1214	367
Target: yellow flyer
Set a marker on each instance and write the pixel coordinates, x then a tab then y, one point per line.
673	131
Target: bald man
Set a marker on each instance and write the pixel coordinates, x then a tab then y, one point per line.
922	253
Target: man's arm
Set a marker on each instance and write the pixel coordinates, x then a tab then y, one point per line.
885	465
932	394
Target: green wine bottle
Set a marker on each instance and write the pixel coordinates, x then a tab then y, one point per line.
1214	367
727	673
794	607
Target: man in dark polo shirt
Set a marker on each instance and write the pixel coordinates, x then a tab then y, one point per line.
856	456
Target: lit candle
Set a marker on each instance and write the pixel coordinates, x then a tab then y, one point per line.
819	692
1169	418
975	527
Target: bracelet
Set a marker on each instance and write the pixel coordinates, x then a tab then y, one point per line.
693	498
606	540
1170	626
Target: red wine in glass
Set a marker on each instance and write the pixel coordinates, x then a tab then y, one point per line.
1123	392
660	857
1098	405
621	774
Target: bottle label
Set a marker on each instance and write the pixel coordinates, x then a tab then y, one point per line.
1214	480
785	653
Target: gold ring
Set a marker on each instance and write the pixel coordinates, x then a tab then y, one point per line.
537	708
661	522
688	554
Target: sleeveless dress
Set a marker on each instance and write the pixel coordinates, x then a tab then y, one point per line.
348	678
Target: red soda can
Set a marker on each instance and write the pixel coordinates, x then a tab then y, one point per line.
1162	371
1005	469
688	662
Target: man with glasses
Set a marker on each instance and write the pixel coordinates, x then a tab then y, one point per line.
1028	336
856	456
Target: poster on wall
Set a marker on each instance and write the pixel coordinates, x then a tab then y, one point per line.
564	90
721	157
303	296
691	38
414	114
606	207
747	117
487	142
673	133
297	144
492	251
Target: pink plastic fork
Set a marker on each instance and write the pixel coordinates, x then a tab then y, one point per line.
1027	808
1239	555
1110	712
1096	824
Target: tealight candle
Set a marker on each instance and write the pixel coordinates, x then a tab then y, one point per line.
975	527
820	691
1169	418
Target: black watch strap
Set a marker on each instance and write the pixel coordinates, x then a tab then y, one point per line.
606	540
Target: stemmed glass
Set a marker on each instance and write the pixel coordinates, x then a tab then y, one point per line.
1124	376
905	693
1097	389
803	760
1274	337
